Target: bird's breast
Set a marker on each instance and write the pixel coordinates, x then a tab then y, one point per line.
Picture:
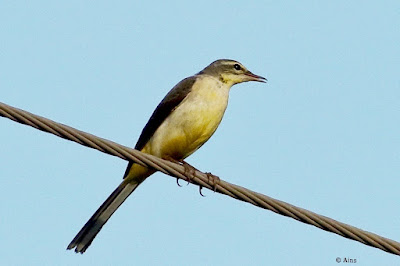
193	122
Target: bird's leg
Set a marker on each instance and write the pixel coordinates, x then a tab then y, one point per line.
189	169
215	180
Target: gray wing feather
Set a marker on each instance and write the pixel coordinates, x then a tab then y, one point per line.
163	110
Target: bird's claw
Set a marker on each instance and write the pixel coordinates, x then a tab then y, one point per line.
200	188
189	171
215	180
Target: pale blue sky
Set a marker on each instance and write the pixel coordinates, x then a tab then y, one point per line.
323	134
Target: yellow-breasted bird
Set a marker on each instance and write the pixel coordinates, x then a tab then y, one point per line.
184	120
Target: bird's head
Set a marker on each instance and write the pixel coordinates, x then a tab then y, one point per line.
231	72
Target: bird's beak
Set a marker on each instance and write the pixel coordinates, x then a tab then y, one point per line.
254	77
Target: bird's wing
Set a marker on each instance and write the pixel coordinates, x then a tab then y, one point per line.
163	110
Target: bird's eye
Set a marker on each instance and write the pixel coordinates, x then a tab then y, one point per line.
237	66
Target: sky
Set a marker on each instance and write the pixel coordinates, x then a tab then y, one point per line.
323	133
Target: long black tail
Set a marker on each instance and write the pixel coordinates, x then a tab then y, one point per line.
89	231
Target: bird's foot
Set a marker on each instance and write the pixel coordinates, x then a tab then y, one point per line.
215	180
189	170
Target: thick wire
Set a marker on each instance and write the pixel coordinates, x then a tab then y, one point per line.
200	179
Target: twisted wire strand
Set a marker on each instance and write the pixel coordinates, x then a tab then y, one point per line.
200	179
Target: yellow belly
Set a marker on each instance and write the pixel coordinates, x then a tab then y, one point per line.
192	123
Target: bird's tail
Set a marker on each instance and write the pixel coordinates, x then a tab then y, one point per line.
89	231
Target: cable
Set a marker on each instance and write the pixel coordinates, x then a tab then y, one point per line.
200	179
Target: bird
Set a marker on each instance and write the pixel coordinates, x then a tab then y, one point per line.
182	122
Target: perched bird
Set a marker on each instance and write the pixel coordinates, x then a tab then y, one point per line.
184	120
